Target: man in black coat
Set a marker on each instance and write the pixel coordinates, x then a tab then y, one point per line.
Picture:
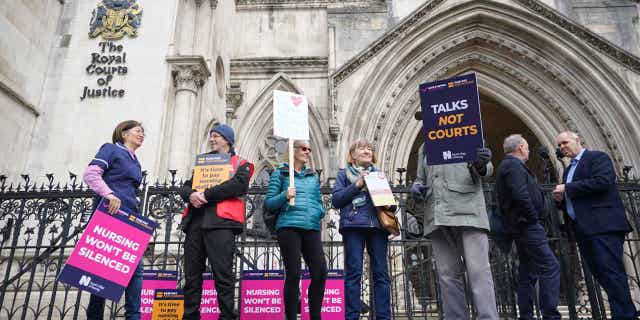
596	214
522	204
209	236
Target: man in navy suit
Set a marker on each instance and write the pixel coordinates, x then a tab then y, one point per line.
522	205
595	211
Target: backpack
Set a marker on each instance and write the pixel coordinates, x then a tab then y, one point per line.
271	217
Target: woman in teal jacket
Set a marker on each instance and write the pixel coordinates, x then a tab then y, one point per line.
298	229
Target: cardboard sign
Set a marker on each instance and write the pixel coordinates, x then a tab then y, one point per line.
262	295
451	120
333	301
290	115
211	170
209	309
107	253
168	304
379	189
153	280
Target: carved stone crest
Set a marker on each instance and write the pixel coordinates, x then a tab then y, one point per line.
113	19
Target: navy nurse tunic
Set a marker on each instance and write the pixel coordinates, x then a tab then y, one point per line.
122	173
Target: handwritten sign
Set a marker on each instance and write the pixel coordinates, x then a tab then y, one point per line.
451	120
107	253
210	170
290	115
379	189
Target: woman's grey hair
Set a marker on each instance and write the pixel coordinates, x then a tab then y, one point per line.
512	142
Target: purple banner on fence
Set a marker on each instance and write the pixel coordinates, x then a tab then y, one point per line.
262	296
333	302
151	281
209	309
107	253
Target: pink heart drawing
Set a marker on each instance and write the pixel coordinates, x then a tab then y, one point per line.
296	100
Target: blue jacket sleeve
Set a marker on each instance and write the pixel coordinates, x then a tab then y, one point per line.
601	179
276	198
343	191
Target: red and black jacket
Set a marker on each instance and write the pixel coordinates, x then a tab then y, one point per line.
225	208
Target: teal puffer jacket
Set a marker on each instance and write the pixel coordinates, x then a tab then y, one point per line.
307	211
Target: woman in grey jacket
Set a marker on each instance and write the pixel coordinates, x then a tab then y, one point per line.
298	229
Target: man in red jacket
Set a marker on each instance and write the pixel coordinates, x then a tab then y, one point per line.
213	218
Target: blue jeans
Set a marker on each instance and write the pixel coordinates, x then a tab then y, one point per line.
537	264
95	310
376	241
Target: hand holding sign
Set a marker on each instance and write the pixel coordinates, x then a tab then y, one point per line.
290	120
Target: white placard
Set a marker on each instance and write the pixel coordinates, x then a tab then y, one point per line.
290	115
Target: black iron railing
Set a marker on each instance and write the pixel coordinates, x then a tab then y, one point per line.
40	224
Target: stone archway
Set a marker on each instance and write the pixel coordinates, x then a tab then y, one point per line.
255	129
543	75
493	113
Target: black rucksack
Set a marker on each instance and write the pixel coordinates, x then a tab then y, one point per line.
271	217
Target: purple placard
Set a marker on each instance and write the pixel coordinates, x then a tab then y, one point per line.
107	253
262	296
151	281
451	120
209	309
333	302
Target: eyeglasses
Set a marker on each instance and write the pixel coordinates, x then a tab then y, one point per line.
305	149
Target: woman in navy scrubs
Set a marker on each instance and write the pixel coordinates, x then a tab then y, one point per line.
115	175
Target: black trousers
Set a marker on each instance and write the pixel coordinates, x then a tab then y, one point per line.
293	242
218	246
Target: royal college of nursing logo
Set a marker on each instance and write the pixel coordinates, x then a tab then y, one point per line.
113	19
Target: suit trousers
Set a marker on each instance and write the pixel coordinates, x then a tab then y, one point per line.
603	255
217	245
457	249
537	264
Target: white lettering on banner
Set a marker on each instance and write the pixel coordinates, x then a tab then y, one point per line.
119	239
106	261
84	280
263	292
103	245
448	107
262	309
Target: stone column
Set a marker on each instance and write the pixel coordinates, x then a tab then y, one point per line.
187	27
189	75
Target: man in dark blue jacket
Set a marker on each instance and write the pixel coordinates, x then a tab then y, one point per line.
522	204
596	214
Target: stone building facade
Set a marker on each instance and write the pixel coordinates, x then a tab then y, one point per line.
543	66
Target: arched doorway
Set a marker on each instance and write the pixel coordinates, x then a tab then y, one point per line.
497	122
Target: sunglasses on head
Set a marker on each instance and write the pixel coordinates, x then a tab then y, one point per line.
305	149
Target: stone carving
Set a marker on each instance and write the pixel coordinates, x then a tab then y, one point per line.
189	72
281	4
620	55
235	97
597	42
285	65
113	19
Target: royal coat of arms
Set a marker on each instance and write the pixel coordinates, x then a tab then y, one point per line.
113	19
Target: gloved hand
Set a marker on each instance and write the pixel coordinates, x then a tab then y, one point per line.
419	191
483	157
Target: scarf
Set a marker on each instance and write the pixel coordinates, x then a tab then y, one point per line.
353	172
